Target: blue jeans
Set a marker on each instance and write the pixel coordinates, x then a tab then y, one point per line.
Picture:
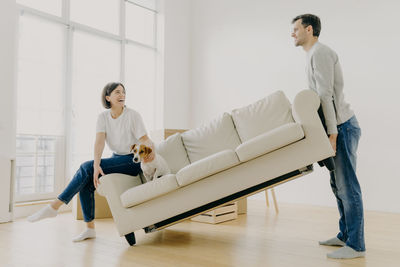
346	188
82	181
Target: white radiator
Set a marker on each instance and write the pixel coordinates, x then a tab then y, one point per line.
7	167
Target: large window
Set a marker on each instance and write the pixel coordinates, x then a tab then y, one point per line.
40	105
38	163
140	23
68	51
40	71
53	7
96	61
140	79
100	14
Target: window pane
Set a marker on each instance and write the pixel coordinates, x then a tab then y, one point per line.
45	179
50	6
96	61
140	24
26	161
40	77
46	144
100	14
35	165
140	82
25	144
24	185
150	4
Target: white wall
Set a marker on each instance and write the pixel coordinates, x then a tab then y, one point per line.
242	51
7	105
177	68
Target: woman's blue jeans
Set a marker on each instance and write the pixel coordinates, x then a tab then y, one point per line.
82	181
346	188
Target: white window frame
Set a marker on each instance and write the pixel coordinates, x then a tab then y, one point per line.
70	27
59	170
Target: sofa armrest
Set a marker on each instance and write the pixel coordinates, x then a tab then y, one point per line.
305	106
117	183
113	185
305	111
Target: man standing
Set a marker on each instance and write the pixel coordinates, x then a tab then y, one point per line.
325	77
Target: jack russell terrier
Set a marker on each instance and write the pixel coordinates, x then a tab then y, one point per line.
152	169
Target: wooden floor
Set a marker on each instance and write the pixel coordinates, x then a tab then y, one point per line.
260	238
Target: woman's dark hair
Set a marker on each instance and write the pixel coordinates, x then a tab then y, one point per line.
310	19
107	90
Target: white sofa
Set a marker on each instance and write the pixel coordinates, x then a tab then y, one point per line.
255	147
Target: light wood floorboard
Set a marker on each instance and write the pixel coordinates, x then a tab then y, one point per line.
260	238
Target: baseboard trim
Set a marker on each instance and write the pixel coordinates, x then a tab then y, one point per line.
24	209
32	203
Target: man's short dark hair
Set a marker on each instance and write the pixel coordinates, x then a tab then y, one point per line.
107	90
310	19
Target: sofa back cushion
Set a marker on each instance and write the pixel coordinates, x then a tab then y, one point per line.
262	116
174	153
215	136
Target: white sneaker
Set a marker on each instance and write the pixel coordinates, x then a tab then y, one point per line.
332	242
346	253
46	212
87	234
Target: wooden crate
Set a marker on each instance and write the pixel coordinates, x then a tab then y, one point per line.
222	214
101	209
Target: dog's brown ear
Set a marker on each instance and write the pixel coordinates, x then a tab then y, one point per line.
133	147
148	150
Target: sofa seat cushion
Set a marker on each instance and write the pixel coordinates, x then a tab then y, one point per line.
270	141
149	190
210	138
207	166
174	153
262	116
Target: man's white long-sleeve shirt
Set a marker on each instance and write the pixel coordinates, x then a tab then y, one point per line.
325	77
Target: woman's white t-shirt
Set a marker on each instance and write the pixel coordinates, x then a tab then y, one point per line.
122	132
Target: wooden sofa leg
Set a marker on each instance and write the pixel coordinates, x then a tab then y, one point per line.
274	198
266	197
131	238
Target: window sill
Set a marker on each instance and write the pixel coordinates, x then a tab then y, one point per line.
32	203
24	209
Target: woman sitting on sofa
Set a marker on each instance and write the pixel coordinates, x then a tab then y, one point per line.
119	127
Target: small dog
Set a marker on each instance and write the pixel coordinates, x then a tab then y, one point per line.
153	169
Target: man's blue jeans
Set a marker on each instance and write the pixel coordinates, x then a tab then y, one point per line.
82	181
346	188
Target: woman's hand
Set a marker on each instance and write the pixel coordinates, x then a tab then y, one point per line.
98	151
97	170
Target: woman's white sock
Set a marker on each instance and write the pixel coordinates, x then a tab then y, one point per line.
46	212
88	233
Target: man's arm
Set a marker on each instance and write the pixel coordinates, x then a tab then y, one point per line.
323	71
